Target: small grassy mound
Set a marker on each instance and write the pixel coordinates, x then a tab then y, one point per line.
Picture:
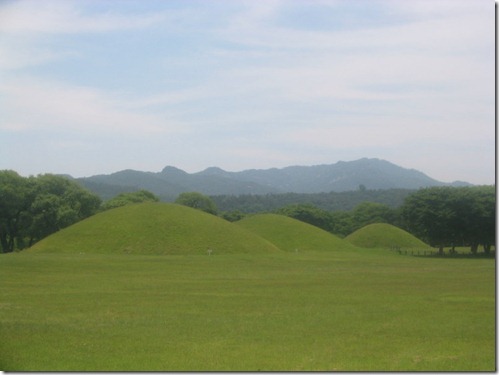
292	235
154	228
384	236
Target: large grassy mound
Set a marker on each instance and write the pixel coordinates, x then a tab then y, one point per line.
384	236
154	228
292	235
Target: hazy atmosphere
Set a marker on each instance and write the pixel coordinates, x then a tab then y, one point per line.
90	87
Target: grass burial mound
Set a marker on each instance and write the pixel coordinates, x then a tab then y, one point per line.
312	311
154	228
383	235
290	234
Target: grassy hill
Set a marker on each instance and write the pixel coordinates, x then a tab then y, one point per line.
384	236
290	234
343	308
154	228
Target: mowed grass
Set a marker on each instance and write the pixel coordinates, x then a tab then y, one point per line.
154	228
372	310
386	236
289	234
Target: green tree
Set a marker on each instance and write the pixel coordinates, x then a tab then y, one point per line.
485	223
198	201
475	213
309	214
448	216
57	203
233	216
369	213
16	194
428	215
341	222
129	198
32	208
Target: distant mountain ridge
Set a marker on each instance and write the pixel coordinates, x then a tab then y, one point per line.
338	177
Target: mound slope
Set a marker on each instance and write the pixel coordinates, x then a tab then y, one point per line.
154	228
384	236
290	234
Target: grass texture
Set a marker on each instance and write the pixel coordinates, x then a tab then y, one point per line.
134	289
154	228
373	311
384	236
293	235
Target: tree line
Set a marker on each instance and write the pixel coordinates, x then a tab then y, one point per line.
440	216
332	201
450	217
32	208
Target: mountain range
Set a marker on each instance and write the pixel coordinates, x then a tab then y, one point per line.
365	173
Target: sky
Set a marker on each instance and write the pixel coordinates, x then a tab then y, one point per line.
96	86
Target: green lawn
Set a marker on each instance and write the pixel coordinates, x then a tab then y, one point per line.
153	228
385	236
359	310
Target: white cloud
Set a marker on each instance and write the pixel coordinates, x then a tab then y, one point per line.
231	80
254	14
65	16
32	104
27	29
19	53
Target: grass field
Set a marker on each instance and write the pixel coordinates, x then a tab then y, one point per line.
385	236
352	310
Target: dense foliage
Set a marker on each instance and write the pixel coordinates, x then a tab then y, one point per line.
447	216
440	216
32	208
309	214
332	201
341	223
198	201
129	198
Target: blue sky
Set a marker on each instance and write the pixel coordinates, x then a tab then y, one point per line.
97	86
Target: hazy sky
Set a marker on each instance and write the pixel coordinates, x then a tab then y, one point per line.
97	86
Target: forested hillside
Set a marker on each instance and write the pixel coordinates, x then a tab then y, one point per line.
333	201
372	174
31	208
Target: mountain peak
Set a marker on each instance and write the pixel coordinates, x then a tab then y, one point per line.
213	171
173	171
371	173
